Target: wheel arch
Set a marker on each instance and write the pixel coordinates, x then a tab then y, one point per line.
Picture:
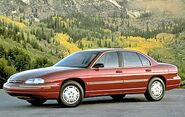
158	76
78	80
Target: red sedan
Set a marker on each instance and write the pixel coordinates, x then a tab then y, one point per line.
97	72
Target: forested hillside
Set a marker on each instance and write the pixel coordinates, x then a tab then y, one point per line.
27	43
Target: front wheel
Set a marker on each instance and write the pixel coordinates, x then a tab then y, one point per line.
36	102
155	90
71	94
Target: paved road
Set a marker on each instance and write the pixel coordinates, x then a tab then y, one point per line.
173	105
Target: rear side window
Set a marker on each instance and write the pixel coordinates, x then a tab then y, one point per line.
131	59
144	60
110	60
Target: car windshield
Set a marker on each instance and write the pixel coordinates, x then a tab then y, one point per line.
79	59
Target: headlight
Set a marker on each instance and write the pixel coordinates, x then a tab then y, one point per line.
34	81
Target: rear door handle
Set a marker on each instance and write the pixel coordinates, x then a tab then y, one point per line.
118	71
148	70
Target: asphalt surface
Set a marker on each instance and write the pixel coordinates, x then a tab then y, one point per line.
172	105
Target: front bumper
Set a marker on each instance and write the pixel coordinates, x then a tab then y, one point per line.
23	91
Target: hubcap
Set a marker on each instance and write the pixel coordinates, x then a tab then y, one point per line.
71	94
156	89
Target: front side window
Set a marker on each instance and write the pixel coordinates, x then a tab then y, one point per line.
78	59
109	59
131	59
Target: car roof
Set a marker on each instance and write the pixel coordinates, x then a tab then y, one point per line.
110	49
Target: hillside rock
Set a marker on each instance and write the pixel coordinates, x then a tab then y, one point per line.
43	8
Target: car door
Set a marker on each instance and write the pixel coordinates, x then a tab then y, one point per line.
106	80
136	71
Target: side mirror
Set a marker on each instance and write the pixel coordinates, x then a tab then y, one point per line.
98	65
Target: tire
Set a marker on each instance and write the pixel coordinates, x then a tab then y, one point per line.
155	90
118	96
36	102
71	94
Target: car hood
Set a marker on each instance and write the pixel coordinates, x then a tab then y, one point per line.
35	73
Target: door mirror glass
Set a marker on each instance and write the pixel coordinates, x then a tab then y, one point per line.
98	65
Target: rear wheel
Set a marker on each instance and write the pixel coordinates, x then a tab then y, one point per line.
155	90
118	96
36	102
71	94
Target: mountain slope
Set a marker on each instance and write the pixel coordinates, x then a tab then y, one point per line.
44	8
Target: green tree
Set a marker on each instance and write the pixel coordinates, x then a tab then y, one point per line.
5	71
2	51
19	59
42	62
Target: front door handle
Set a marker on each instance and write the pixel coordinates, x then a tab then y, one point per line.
118	71
148	70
